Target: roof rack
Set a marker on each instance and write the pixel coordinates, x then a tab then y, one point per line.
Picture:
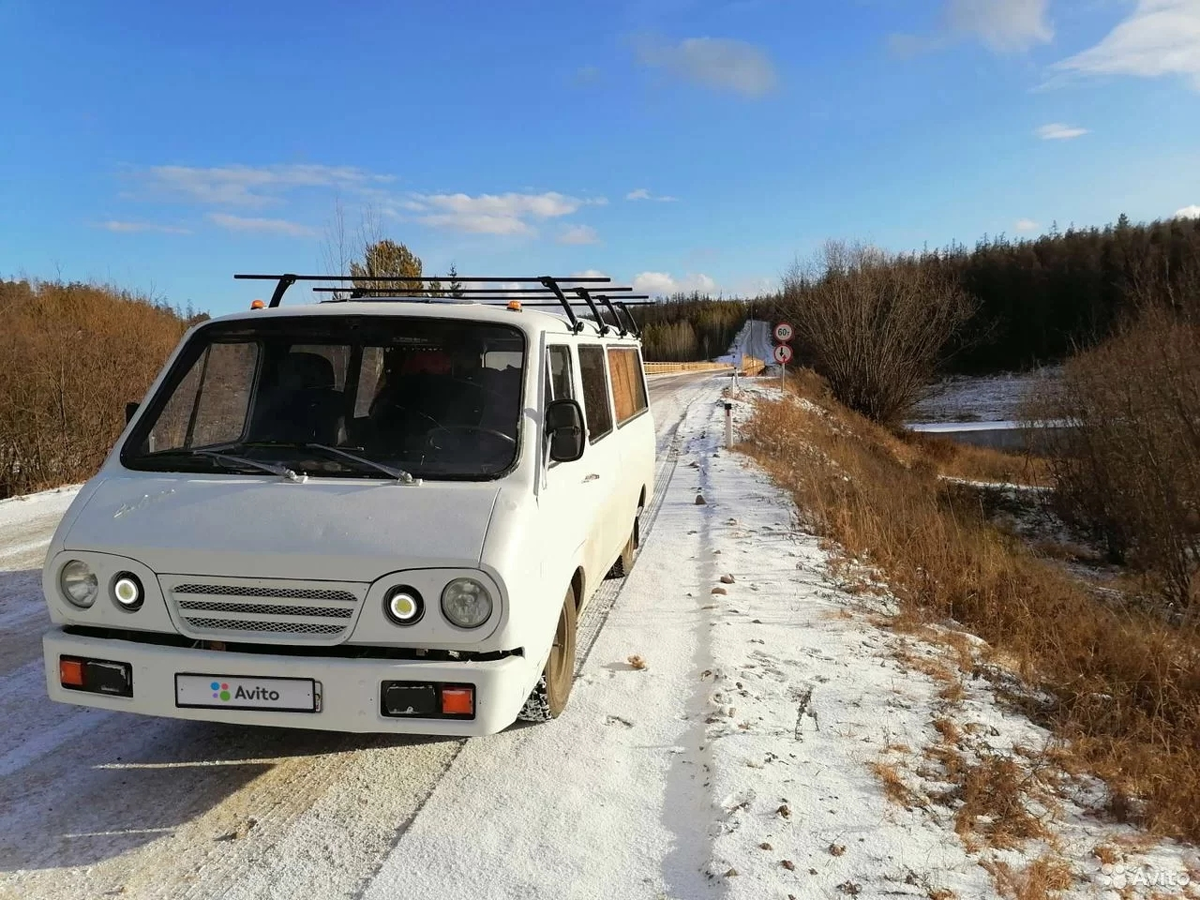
551	286
525	296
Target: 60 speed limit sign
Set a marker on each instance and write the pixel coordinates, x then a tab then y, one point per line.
784	332
783	354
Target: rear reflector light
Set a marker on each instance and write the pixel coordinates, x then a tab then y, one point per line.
458	701
427	700
70	672
96	676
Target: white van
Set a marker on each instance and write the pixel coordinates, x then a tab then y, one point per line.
375	515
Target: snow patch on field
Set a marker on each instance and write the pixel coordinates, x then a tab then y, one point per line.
980	398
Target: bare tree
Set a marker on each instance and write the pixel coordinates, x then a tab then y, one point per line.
874	324
335	249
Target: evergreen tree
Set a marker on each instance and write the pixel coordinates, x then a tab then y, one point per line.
388	259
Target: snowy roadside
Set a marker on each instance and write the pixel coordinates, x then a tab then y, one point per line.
912	712
726	736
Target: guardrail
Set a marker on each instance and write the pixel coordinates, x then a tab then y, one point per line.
750	366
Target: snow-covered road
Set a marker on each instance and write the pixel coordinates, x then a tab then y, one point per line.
96	804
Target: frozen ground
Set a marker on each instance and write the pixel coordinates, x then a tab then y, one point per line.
989	398
722	741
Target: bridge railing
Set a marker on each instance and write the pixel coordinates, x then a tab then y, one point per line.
750	366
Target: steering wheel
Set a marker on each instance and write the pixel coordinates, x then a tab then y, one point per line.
481	429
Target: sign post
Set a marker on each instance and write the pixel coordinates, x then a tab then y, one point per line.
783	353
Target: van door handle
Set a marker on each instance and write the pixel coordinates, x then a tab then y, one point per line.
595	476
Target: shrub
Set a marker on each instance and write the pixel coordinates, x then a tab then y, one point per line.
1129	469
875	325
72	355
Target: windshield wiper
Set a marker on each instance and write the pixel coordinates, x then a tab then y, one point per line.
228	458
399	475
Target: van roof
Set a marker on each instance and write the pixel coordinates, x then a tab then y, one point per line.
530	320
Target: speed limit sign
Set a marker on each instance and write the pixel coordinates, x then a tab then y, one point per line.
783	354
783	332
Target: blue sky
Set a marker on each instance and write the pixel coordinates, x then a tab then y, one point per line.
675	143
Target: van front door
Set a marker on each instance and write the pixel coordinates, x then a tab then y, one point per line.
572	499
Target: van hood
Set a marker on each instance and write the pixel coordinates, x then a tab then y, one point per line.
322	529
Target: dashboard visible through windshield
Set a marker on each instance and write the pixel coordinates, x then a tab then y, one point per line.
369	397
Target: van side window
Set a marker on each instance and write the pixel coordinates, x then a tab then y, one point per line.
595	392
628	387
559	373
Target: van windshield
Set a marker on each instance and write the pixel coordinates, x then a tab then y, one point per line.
338	396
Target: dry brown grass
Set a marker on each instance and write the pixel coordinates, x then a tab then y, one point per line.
994	794
893	785
978	463
1045	878
1126	686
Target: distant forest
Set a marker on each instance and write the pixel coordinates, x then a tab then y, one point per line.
1037	300
1041	299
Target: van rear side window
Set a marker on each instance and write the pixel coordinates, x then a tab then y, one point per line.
628	387
595	392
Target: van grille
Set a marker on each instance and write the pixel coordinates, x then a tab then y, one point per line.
263	610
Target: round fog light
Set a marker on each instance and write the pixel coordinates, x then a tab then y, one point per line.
403	605
466	603
127	591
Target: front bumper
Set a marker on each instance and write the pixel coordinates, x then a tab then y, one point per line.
350	687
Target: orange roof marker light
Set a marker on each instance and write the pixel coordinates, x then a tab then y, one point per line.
514	305
257	304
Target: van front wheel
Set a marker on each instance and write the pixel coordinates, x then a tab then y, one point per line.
549	696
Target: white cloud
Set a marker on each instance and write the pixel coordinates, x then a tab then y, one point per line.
579	234
718	63
251	186
1057	131
261	226
1005	26
1188	212
494	213
644	194
1160	37
1026	225
663	283
121	227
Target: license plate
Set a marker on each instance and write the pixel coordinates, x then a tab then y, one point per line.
240	692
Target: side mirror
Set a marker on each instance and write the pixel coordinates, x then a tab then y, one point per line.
131	409
564	427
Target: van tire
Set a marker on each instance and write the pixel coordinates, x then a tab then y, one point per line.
625	561
549	696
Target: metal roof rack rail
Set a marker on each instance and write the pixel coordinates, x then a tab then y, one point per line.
525	296
552	284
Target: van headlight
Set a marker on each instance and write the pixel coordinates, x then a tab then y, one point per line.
78	583
466	603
